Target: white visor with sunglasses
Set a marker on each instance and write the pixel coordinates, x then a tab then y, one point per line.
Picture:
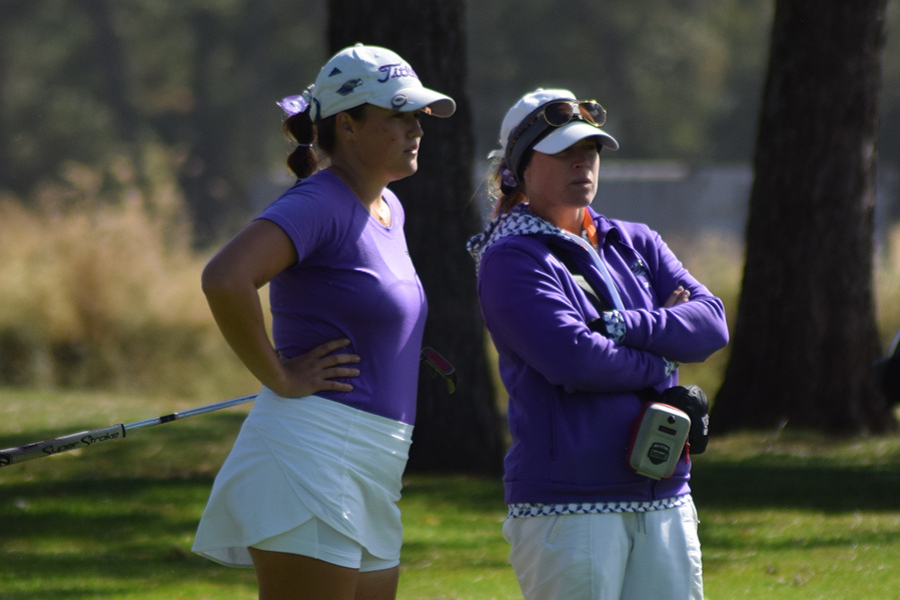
561	137
534	124
525	115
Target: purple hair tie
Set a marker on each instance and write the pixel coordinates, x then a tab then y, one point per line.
293	105
507	178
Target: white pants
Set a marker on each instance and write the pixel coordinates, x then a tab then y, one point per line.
625	556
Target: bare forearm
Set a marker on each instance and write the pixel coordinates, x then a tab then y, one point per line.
239	315
231	281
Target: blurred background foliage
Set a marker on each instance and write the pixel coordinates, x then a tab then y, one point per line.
135	135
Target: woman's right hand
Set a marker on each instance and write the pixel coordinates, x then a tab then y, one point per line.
679	296
231	281
316	371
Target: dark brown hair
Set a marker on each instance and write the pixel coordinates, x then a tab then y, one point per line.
304	161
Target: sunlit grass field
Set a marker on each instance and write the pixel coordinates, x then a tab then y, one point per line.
784	515
107	297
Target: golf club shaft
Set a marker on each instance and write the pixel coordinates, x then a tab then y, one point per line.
92	437
189	413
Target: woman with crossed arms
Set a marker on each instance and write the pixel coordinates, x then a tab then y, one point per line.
582	524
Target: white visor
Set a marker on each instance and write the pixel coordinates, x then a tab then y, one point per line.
562	137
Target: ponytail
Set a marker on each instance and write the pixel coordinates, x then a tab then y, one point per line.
506	190
303	161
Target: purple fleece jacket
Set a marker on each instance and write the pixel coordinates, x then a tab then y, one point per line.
572	400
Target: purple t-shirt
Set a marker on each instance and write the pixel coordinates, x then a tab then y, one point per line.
354	279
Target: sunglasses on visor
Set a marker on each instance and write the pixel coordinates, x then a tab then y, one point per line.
560	112
554	114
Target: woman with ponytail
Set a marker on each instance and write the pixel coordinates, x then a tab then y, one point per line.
307	496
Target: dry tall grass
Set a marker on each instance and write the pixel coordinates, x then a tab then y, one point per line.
96	293
99	288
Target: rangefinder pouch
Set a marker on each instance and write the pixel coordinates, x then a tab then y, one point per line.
659	438
691	400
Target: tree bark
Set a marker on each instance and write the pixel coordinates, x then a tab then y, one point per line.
805	340
462	432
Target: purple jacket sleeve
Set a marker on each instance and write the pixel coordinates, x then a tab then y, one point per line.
530	308
689	332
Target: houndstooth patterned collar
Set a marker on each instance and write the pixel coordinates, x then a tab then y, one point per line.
518	221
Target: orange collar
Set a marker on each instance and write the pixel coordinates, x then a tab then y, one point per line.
590	229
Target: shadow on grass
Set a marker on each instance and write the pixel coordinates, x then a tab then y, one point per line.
116	519
814	485
473	494
102	508
791	505
126	512
62	537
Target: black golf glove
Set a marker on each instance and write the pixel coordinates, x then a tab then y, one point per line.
694	402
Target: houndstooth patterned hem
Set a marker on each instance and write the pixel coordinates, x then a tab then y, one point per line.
527	509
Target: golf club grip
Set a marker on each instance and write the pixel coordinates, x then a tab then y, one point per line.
65	443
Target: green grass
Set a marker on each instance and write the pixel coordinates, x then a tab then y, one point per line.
783	516
799	516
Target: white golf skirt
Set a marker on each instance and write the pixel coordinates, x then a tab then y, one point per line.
299	458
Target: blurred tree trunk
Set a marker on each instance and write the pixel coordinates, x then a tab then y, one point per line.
211	188
805	341
108	54
12	14
462	432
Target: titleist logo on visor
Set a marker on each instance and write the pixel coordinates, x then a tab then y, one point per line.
392	71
